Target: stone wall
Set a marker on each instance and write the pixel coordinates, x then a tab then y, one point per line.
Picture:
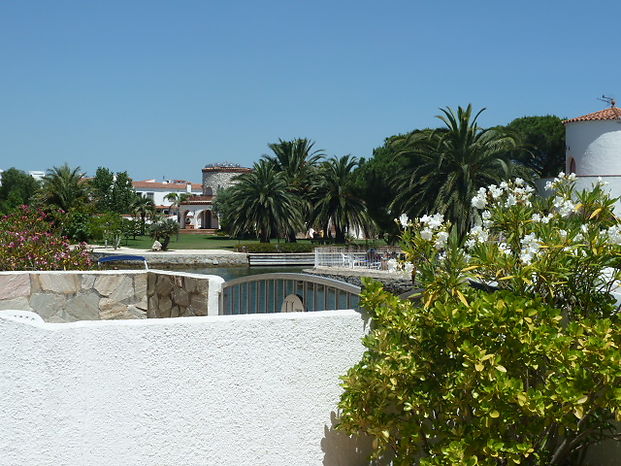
59	296
70	296
395	283
177	295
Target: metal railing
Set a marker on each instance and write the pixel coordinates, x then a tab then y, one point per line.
348	257
283	292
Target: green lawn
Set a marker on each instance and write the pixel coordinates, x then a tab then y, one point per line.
195	241
188	242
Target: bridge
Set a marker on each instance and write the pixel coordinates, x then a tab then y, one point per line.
286	292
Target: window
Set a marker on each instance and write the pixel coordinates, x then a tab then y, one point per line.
149	195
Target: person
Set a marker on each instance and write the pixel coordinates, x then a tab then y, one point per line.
311	233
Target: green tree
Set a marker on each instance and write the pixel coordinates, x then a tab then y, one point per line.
336	203
163	230
101	189
542	143
143	207
176	199
123	193
262	204
298	162
17	188
445	168
521	369
64	187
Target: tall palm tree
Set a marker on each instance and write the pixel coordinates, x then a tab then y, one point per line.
176	199
143	207
262	204
64	187
447	166
298	162
336	201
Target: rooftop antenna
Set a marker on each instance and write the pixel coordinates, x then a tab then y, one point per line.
609	100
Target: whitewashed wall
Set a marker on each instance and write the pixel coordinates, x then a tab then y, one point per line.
239	390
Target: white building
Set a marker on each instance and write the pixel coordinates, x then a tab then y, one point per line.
158	190
593	149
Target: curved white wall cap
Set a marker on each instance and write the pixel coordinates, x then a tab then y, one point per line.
27	317
595	146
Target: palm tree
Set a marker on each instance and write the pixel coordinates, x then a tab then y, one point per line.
445	167
64	187
143	207
176	199
336	201
262	204
298	162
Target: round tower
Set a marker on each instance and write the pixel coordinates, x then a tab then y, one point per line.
593	143
218	176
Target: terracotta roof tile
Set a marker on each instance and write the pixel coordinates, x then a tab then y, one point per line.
612	113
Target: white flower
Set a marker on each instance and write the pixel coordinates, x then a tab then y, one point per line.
547	218
511	200
530	248
435	221
519	181
486	214
564	206
441	239
614	234
562	234
504	185
549	185
479	202
504	248
404	219
495	191
426	234
536	218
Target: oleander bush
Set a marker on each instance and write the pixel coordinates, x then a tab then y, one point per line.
30	240
524	367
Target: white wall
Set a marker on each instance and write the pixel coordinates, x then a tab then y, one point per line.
596	147
254	389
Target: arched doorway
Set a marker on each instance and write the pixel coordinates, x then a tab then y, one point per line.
206	219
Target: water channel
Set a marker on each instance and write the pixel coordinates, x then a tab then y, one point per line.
229	273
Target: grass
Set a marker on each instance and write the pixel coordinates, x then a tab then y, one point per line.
195	241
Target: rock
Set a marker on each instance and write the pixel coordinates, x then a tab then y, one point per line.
107	284
140	286
151	280
181	297
142	304
14	286
157	246
111	309
83	307
163	286
198	305
174	312
152	308
164	307
87	281
18	304
124	290
49	306
60	283
134	313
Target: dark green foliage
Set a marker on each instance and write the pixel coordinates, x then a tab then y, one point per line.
164	230
444	169
64	188
276	247
542	141
336	201
17	188
261	203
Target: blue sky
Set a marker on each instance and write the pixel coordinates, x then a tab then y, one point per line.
161	88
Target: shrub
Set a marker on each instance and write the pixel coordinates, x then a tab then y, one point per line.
524	372
276	247
30	241
162	231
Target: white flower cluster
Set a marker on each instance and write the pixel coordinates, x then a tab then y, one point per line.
403	220
476	235
433	229
537	218
506	194
614	234
530	247
561	179
565	207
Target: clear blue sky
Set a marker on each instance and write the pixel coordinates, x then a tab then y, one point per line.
160	88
